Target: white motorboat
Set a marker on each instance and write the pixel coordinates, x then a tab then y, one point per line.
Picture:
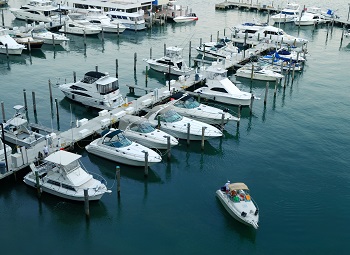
131	20
173	123
287	14
41	33
28	41
96	89
186	18
8	45
221	89
77	24
98	18
17	132
257	72
113	145
276	65
172	62
236	199
289	55
310	18
37	10
140	130
62	175
224	49
187	106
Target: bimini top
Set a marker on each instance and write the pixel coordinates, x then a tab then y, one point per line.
238	185
110	133
62	157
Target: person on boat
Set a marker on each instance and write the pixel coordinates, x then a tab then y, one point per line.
227	187
46	150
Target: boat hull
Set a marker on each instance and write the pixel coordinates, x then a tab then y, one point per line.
224	99
165	68
23	15
256	76
11	51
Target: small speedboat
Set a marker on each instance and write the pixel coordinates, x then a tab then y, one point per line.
258	73
113	145
223	49
41	33
186	18
140	130
168	120
187	106
29	41
62	175
77	24
236	199
287	14
8	45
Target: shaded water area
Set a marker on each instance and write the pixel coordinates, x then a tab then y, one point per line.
293	154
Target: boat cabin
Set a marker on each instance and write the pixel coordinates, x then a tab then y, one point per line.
104	83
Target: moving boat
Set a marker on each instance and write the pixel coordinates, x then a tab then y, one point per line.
287	14
37	10
221	89
222	49
140	130
8	45
131	20
236	199
187	106
257	72
78	25
17	132
186	18
62	175
113	145
172	62
173	123
96	89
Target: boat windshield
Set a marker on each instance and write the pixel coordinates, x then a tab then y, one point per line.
190	103
104	89
71	167
171	116
145	127
118	141
40	30
216	75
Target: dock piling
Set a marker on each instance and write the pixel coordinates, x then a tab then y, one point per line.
25	100
7	51
164	49
222	121
189	53
29	48
57	113
116	68
50	91
135	61
275	92
74	76
96	68
203	140
34	103
3	112
146	163
37	184
118	180
188	133
86	203
150	53
266	91
168	147
53	40
146	76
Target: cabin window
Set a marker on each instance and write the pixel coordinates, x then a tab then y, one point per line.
171	116
68	187
54	183
145	127
80	94
71	167
107	88
77	88
219	90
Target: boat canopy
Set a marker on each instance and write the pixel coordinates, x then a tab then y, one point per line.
238	185
63	158
17	121
111	133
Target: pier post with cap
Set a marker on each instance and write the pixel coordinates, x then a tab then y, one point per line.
188	133
203	136
118	180
34	103
168	147
116	68
50	91
25	100
146	163
3	112
86	203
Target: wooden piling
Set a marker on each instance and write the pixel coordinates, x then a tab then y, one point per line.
74	76
164	49
116	68
275	92
84	39
169	147
57	113
158	118
135	60
53	40
251	104
29	47
86	203
37	184
7	51
102	35
118	180
118	29
146	163
34	103
3	113
222	121
266	91
96	68
189	53
200	42
146	81
25	100
188	133
217	36
252	72
150	53
203	135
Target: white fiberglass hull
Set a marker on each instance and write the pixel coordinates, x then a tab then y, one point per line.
25	15
29	179
113	29
157	141
258	76
282	18
58	39
11	51
122	155
223	97
165	68
250	219
182	19
207	117
80	30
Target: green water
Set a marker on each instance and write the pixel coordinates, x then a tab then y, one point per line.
293	154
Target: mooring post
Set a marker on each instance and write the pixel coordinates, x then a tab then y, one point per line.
50	91
169	147
53	40
84	39
146	75
146	163
150	53
217	36
118	180
158	118
200	42
188	133
275	92
3	113
7	51
86	203
37	183
34	104
25	100
203	135
29	47
266	90
74	76
116	68
118	29
135	60
252	73
222	121
164	49
96	68
211	37
103	35
189	53
57	113
2	17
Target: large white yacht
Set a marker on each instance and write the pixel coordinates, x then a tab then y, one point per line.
172	62
37	10
77	24
96	89
131	20
258	72
287	14
221	89
8	45
140	130
62	175
113	145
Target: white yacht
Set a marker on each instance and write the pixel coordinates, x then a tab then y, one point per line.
187	106
17	131
172	62
96	89
98	18
257	72
41	33
186	18
223	49
4	158
37	10
221	89
287	14
113	145
236	199
62	175
77	24
177	125
8	45
312	16
140	130
131	20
